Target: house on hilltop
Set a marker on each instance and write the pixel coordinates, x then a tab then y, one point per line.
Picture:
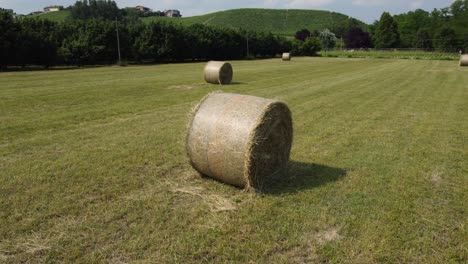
54	8
144	9
172	13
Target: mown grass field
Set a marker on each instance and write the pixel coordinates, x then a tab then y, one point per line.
93	166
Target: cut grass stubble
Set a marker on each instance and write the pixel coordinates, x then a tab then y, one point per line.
93	166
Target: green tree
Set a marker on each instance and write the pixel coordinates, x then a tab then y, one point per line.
327	39
93	41
459	22
386	32
92	9
38	42
90	38
342	27
310	47
446	39
8	36
410	23
200	41
422	40
459	8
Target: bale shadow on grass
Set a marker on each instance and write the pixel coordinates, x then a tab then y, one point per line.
302	176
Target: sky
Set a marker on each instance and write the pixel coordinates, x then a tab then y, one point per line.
365	10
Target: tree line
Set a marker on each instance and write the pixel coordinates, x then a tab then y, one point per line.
87	9
98	30
443	29
34	41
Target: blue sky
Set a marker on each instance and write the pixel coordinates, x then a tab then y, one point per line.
366	10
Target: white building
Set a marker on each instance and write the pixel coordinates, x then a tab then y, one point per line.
172	13
144	9
48	9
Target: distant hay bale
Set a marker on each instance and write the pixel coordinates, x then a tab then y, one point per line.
239	139
286	56
464	60
218	72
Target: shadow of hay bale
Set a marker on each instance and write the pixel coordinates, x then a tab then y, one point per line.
303	176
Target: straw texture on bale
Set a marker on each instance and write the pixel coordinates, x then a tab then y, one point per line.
464	60
239	139
218	72
286	56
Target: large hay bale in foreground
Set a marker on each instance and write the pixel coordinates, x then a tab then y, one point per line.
286	56
239	139
218	72
464	60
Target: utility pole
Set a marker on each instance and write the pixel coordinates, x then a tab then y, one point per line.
247	45
118	40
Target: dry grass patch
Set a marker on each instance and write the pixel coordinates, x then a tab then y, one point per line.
183	87
436	177
215	202
327	236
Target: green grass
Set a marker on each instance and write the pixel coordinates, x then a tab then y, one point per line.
93	166
277	21
58	16
397	54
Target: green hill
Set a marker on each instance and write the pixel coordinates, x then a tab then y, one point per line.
278	21
54	16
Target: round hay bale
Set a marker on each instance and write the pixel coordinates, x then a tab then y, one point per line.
286	56
218	72
239	139
464	60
